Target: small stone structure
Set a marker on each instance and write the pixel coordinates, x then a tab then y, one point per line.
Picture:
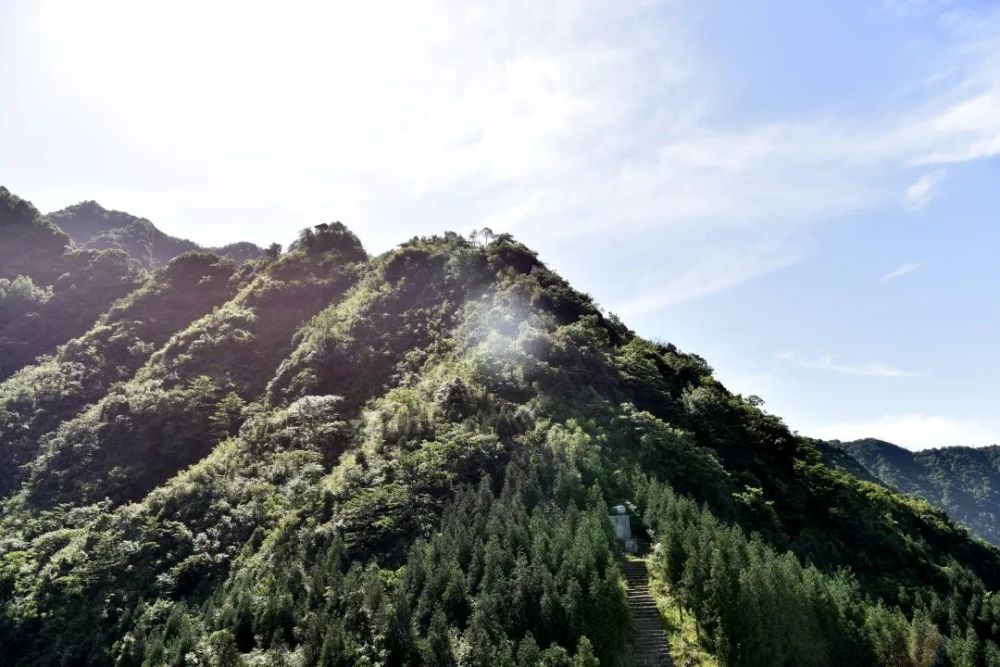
622	524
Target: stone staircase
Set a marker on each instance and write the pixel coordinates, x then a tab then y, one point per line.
649	642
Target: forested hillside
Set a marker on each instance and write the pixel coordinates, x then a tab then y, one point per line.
963	481
325	458
50	290
61	271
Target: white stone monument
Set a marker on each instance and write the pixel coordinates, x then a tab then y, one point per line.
621	523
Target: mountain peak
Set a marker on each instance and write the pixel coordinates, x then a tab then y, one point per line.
14	210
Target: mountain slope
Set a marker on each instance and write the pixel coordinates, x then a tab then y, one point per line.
31	246
50	291
38	398
60	272
408	459
92	226
190	392
963	481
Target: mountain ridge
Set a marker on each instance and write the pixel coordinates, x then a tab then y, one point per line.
90	225
963	481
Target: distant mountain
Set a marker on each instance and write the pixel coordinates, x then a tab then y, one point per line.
837	457
326	458
92	226
963	481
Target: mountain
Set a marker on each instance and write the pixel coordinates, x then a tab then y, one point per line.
92	226
835	456
963	481
60	272
50	290
328	458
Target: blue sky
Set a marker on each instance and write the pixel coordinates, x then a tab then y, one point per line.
805	193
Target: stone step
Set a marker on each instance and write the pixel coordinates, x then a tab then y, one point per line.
649	641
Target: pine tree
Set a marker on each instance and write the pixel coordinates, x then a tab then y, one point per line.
528	653
222	650
436	648
585	654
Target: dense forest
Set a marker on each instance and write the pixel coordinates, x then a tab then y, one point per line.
963	481
320	457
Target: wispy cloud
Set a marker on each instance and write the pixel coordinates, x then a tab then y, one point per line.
919	193
900	271
586	118
913	431
827	363
715	271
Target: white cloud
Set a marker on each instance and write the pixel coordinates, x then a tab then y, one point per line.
554	119
919	193
827	363
900	271
913	431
